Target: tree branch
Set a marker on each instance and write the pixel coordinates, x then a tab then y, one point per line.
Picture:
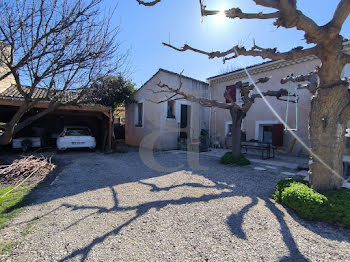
53	106
278	94
152	3
312	78
268	3
256	51
237	13
202	101
292	17
339	17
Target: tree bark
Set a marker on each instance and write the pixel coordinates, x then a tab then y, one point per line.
237	116
327	137
8	129
6	135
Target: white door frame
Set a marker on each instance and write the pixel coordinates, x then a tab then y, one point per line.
258	127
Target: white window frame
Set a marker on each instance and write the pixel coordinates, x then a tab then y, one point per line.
239	100
174	110
227	123
136	115
260	124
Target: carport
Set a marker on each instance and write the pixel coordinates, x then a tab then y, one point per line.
98	118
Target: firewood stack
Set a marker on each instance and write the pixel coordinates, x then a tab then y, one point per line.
30	169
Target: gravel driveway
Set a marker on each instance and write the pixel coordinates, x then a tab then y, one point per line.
115	208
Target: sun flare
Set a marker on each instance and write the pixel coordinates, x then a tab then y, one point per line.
221	17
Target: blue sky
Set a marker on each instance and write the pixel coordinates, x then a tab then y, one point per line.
144	29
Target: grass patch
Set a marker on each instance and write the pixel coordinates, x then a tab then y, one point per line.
229	159
11	204
332	206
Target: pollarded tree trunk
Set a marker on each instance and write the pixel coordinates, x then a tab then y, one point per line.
8	129
6	135
237	116
327	137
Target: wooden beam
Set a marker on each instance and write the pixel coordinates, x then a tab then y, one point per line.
91	108
110	127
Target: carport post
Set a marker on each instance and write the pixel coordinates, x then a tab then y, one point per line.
109	145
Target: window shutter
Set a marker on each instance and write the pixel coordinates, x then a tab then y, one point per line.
231	90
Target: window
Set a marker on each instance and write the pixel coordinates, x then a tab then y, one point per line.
239	96
229	130
235	93
139	114
78	132
231	90
267	134
171	109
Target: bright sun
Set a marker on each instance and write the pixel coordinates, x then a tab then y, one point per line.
221	17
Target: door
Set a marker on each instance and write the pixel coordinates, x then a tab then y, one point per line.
277	135
185	121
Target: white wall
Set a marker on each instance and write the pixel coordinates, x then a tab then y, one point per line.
260	113
155	115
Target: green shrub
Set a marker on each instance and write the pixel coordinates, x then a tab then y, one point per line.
304	200
338	206
229	159
281	185
331	206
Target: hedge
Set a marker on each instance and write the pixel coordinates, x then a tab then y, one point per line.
332	206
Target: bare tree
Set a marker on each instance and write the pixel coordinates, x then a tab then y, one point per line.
61	46
330	102
237	112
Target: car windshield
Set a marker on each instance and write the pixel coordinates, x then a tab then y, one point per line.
78	132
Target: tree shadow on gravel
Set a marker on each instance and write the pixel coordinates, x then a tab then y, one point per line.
140	211
234	181
234	221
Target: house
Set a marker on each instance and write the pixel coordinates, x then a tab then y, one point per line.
162	126
260	123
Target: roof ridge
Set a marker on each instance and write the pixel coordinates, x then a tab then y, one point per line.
188	77
170	72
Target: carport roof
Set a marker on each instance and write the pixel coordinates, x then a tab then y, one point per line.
39	93
12	97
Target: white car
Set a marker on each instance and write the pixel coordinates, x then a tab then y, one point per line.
30	137
75	137
25	143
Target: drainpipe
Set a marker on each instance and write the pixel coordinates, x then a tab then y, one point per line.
210	113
